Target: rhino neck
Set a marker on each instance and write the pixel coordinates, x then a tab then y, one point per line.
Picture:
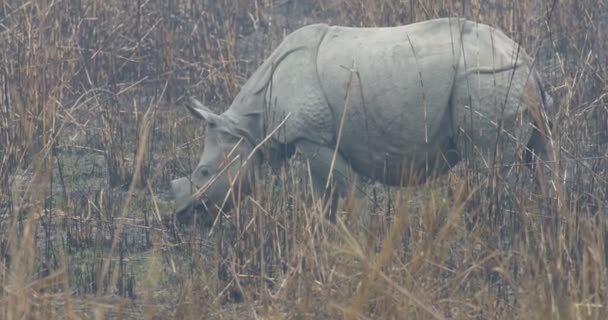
247	114
248	123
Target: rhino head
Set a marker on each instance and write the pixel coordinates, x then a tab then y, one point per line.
222	168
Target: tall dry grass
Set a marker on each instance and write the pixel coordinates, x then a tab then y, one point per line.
92	131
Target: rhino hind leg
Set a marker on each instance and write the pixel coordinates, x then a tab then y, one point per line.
491	113
319	159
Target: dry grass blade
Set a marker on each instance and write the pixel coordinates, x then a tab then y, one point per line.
91	135
141	151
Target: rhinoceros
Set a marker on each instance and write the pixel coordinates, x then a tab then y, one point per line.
387	103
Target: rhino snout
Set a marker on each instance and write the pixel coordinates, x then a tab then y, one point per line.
182	193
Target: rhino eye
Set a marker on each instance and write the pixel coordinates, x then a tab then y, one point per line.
203	172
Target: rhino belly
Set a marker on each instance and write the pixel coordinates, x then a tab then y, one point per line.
393	158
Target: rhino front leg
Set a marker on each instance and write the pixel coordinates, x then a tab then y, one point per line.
320	160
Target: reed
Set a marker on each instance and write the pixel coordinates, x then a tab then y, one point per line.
92	129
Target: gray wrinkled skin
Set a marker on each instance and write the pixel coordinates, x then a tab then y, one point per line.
419	99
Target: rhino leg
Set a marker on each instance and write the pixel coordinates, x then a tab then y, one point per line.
491	104
320	160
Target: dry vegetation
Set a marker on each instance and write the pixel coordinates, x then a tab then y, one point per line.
92	129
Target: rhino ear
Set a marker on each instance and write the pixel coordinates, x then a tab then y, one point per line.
200	111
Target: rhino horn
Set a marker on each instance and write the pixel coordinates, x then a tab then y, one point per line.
201	111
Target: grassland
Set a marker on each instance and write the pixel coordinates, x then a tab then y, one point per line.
92	129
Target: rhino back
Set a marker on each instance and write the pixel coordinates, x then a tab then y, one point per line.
399	91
